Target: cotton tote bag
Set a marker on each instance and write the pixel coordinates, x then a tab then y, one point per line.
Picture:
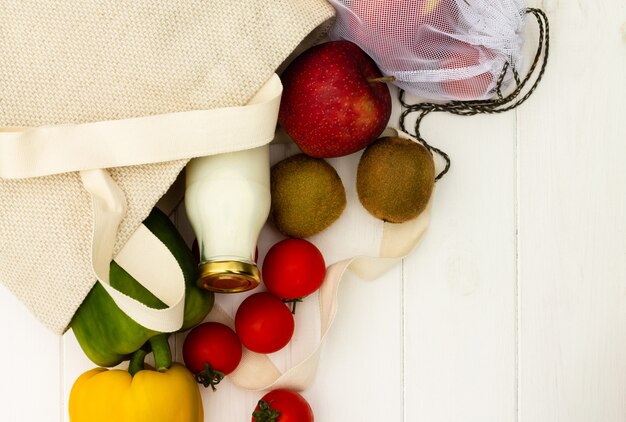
101	107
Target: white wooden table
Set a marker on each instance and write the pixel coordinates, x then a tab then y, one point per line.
513	307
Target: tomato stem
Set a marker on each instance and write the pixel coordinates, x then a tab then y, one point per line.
293	303
265	413
209	376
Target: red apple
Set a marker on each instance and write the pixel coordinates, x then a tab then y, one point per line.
386	29
398	32
459	56
333	103
403	37
400	20
396	16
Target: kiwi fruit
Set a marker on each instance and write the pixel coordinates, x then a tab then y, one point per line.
395	179
307	195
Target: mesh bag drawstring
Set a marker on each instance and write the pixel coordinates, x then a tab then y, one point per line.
453	55
493	106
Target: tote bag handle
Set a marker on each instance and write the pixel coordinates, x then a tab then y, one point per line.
91	147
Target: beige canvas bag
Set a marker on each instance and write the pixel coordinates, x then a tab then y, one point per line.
102	103
98	120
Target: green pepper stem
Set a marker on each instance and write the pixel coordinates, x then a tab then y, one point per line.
161	351
136	361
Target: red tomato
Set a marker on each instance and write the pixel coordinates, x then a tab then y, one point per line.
283	406
210	351
293	269
264	323
461	55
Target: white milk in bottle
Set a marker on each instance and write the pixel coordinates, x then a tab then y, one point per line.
227	200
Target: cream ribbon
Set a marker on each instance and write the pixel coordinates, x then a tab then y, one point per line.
41	151
258	372
165	280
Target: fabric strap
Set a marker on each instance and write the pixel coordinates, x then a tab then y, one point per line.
258	372
41	151
165	280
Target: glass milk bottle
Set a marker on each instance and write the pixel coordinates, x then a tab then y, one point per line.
227	200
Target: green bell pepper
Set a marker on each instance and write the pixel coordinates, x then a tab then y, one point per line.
108	336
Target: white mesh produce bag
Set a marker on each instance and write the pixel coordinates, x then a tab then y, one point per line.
438	49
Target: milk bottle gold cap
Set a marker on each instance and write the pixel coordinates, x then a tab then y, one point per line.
228	276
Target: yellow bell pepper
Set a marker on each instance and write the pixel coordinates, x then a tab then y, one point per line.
102	395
